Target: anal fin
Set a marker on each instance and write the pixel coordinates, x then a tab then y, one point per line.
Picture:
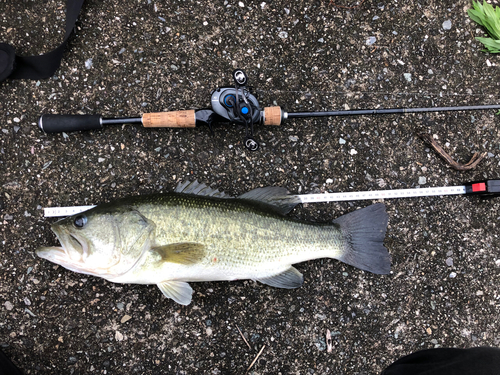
288	279
179	291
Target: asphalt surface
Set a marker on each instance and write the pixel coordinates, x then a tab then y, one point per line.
132	57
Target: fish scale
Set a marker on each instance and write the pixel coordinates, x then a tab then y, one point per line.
175	238
259	239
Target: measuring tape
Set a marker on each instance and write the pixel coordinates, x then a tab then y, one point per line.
482	188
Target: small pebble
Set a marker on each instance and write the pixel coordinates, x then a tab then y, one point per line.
422	180
447	25
8	305
371	40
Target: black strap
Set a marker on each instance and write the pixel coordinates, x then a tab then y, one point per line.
7	367
448	361
41	66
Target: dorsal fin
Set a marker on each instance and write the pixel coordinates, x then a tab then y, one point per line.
188	187
275	196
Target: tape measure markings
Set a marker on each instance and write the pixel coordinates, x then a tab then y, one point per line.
381	194
315	198
64	211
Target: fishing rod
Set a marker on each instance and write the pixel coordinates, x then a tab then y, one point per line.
234	104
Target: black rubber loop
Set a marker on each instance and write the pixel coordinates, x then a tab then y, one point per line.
41	66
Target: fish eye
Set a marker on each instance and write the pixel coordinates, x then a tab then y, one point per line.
80	221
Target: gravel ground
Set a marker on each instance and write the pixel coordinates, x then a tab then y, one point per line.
138	56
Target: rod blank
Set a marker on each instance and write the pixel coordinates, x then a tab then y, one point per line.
382	111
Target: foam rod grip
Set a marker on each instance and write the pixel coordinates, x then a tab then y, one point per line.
68	123
176	119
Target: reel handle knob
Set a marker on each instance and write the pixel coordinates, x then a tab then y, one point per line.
240	77
251	144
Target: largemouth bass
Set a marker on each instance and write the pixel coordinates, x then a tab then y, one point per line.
198	234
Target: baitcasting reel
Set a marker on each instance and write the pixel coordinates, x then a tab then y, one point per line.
238	106
235	105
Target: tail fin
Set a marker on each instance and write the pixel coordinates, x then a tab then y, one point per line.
364	233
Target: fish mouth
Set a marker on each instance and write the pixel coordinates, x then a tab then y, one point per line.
71	254
58	255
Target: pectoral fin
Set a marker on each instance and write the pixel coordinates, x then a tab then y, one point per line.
179	291
181	253
289	279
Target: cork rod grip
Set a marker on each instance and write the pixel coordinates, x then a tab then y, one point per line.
272	115
177	119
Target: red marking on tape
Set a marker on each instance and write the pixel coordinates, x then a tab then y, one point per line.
480	186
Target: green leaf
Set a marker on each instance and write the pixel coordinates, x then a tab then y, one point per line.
478	7
488	17
475	16
489	42
492	22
